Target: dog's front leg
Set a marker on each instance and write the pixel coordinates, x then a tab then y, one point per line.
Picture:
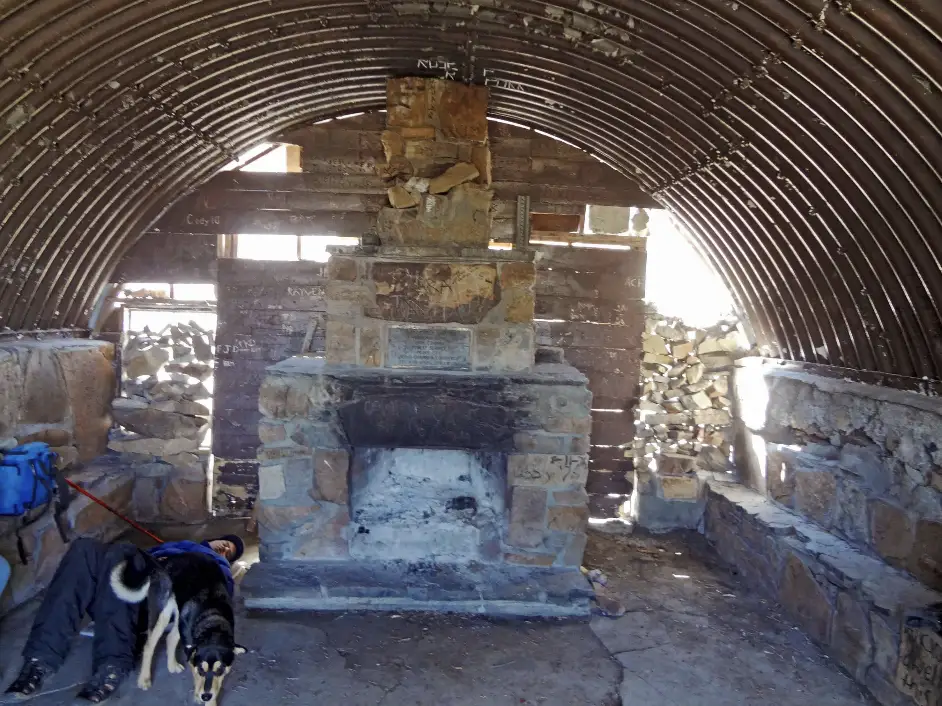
153	637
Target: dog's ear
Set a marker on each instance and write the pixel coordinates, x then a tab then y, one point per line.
240	650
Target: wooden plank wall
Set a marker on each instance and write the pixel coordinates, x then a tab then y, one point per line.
339	193
265	310
169	257
589	302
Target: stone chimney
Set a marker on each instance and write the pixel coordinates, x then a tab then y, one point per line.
428	445
432	295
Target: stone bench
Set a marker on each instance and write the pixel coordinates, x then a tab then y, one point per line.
850	603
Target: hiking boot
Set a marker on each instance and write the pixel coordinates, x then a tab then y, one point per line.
103	684
30	678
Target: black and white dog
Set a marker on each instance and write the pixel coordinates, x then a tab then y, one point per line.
186	597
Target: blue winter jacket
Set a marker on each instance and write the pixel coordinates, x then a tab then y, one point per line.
175	548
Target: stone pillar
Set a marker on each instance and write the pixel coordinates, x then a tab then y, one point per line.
432	282
58	392
548	509
302	507
668	496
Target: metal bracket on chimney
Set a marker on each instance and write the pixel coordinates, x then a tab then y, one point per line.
522	229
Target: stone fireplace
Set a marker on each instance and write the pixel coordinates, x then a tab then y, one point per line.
428	461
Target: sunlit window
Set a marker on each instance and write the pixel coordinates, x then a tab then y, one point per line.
267	246
285	248
678	281
273	161
180	291
145	290
266	157
314	247
194	292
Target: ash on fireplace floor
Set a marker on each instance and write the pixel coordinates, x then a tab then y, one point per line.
691	636
422	503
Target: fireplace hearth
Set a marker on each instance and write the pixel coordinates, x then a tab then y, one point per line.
427	462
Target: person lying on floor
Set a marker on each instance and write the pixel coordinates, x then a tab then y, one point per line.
81	585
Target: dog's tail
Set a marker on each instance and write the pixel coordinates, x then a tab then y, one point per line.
131	577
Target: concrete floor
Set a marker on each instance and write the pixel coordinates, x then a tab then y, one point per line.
691	636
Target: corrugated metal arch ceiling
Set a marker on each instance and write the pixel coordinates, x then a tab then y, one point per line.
799	140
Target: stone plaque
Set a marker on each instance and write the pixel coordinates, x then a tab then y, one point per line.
429	348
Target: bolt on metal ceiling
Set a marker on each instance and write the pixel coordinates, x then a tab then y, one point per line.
800	141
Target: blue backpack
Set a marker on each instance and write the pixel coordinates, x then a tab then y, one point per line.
29	487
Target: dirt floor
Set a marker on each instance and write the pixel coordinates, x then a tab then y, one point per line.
691	635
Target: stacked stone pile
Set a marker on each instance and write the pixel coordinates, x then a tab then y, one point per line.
682	417
685	402
164	418
165	382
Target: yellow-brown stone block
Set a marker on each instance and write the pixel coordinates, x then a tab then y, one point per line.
514	275
462	111
407	103
520	306
341	342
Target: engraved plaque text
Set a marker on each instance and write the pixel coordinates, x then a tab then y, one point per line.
429	348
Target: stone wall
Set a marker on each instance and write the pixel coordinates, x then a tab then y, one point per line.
163	421
682	418
166	386
861	461
59	392
875	621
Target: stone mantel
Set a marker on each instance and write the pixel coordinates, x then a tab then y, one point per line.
546	408
540	374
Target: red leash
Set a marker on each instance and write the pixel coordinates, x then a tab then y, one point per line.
114	512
